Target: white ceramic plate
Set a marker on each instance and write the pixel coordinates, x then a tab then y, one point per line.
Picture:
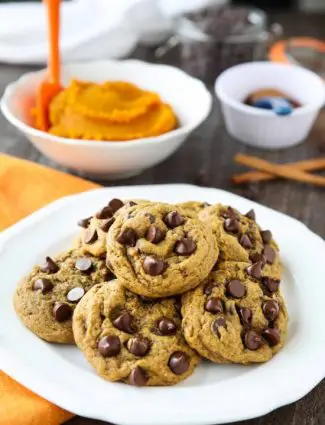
215	393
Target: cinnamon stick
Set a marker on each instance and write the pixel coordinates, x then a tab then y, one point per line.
254	176
285	171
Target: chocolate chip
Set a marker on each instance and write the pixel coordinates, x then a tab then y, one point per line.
231	225
138	346
84	222
166	326
245	242
154	234
115	204
173	219
138	377
245	315
49	266
271	336
269	253
252	340
255	258
185	246
153	266
44	285
84	264
106	224
124	322
109	346
251	215
90	236
271	309
272	285
214	305
75	294
105	212
217	324
127	237
208	288
152	219
255	270
62	312
131	204
178	362
266	236
229	213
236	289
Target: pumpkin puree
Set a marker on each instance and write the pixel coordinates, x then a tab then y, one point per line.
109	111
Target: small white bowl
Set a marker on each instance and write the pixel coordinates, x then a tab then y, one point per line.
260	127
188	96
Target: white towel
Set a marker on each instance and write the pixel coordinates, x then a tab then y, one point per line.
90	29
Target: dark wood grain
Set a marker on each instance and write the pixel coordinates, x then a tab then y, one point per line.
207	159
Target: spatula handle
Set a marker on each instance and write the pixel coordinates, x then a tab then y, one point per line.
53	13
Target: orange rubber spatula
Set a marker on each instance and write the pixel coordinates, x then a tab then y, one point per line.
50	87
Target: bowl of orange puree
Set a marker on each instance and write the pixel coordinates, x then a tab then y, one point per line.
112	119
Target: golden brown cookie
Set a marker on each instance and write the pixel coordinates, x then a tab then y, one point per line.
158	250
92	239
241	239
193	207
234	317
46	298
126	338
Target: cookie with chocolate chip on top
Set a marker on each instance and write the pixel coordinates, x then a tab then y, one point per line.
127	338
240	238
46	298
92	239
234	316
158	250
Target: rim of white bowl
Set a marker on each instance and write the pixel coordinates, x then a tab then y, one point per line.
304	109
31	131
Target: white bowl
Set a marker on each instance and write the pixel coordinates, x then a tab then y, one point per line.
188	96
262	128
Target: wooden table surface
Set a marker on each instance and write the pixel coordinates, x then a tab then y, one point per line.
207	159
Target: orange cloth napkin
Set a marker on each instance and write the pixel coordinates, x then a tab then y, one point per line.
24	188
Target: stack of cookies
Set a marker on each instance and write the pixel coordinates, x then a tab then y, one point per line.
149	288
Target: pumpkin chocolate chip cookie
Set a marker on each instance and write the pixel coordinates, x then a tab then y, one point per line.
241	239
235	317
126	338
158	250
92	239
46	298
193	207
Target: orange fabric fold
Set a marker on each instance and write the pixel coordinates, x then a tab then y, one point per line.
24	188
